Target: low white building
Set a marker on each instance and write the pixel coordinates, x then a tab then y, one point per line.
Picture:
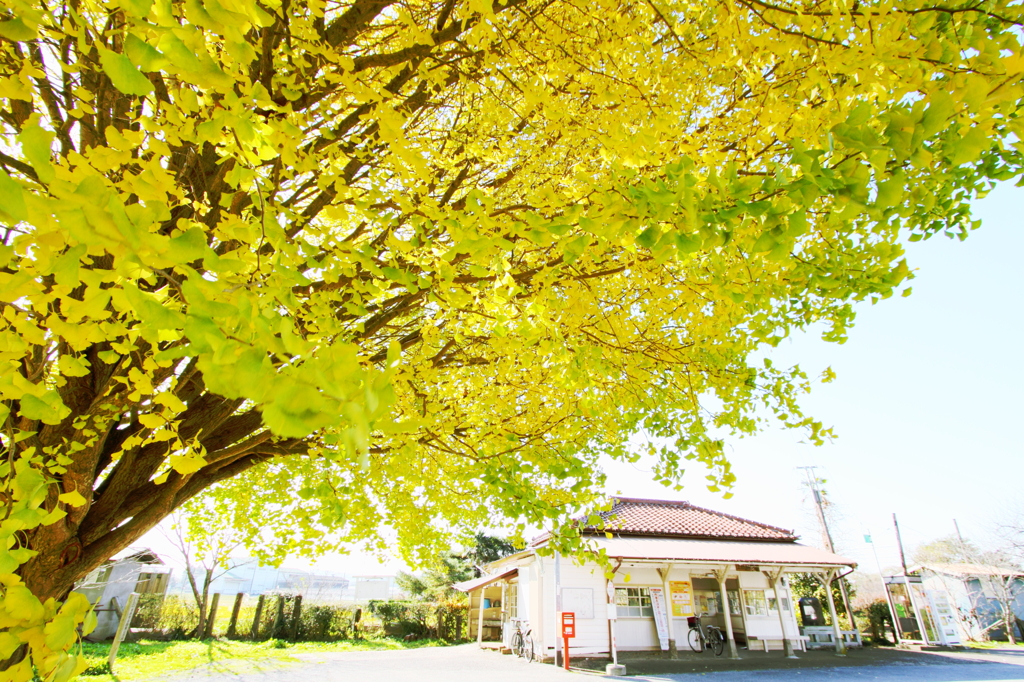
961	602
671	560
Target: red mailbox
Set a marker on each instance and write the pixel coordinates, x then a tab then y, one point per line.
568	625
568	632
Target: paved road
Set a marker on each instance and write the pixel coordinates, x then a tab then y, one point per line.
468	664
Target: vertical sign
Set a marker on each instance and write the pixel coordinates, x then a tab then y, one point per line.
681	597
660	615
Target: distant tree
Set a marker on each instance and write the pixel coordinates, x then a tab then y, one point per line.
453	567
488	549
1011	530
947	550
205	560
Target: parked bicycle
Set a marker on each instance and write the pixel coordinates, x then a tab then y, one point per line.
522	642
703	637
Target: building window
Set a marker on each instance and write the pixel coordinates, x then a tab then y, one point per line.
734	603
708	603
756	603
512	600
633	602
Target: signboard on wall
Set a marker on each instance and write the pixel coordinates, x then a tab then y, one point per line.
659	607
681	597
579	600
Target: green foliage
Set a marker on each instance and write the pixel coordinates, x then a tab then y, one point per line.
489	548
344	269
324	623
807	585
880	621
149	611
389	611
442	619
448	568
179	617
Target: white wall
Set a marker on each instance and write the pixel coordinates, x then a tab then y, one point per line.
537	596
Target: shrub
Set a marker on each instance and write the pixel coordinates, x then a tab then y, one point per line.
148	611
179	617
878	616
324	623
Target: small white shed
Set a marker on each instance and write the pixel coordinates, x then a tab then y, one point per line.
133	570
672	560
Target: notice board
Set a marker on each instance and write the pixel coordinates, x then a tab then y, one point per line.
681	596
579	600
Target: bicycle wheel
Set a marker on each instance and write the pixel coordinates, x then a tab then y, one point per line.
694	640
528	649
716	642
517	644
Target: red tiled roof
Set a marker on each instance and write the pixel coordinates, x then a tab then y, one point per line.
667	518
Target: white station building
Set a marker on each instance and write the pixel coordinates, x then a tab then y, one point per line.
671	560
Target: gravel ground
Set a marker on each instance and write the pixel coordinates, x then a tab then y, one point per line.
466	663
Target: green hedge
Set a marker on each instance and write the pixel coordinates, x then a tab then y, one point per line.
176	617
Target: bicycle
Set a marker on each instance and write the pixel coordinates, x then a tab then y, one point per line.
522	642
703	637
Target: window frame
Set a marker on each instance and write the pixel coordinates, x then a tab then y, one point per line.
638	610
755	603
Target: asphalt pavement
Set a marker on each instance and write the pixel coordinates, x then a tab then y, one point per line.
466	663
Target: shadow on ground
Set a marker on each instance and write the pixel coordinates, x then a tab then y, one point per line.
656	663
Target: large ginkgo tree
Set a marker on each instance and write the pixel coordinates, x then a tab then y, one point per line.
415	265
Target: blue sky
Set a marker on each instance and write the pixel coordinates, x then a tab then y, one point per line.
927	406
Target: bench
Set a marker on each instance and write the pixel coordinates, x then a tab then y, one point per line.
818	637
799	643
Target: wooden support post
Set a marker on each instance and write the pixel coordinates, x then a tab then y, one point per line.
232	632
123	624
774	578
293	631
254	631
480	617
730	637
673	651
501	617
211	615
837	632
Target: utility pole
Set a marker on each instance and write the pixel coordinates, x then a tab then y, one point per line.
812	482
899	543
963	547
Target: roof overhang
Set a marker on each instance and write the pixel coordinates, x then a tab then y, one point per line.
484	580
663	550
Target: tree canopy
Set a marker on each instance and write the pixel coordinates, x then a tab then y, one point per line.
417	264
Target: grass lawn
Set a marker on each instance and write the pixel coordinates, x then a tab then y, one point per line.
145	659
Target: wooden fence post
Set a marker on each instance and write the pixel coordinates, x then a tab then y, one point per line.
233	624
211	616
123	624
275	629
254	631
293	631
